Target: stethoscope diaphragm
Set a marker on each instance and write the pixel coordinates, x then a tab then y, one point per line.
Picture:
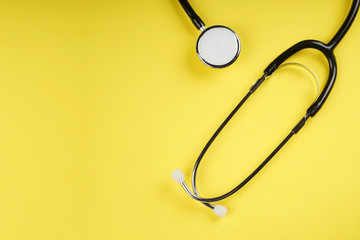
218	46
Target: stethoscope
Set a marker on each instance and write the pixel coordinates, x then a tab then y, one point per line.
209	41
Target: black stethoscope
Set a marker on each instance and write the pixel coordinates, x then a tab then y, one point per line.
209	47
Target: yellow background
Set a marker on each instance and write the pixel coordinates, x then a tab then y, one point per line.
101	100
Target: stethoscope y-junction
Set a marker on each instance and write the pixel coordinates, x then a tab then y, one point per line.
210	50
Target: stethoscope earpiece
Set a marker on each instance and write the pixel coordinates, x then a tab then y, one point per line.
178	176
218	46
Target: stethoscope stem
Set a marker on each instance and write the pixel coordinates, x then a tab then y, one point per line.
195	19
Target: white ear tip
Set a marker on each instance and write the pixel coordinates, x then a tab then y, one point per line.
178	176
220	210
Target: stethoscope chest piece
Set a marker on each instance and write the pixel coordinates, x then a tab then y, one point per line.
218	46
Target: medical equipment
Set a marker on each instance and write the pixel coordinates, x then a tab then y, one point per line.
217	46
326	50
